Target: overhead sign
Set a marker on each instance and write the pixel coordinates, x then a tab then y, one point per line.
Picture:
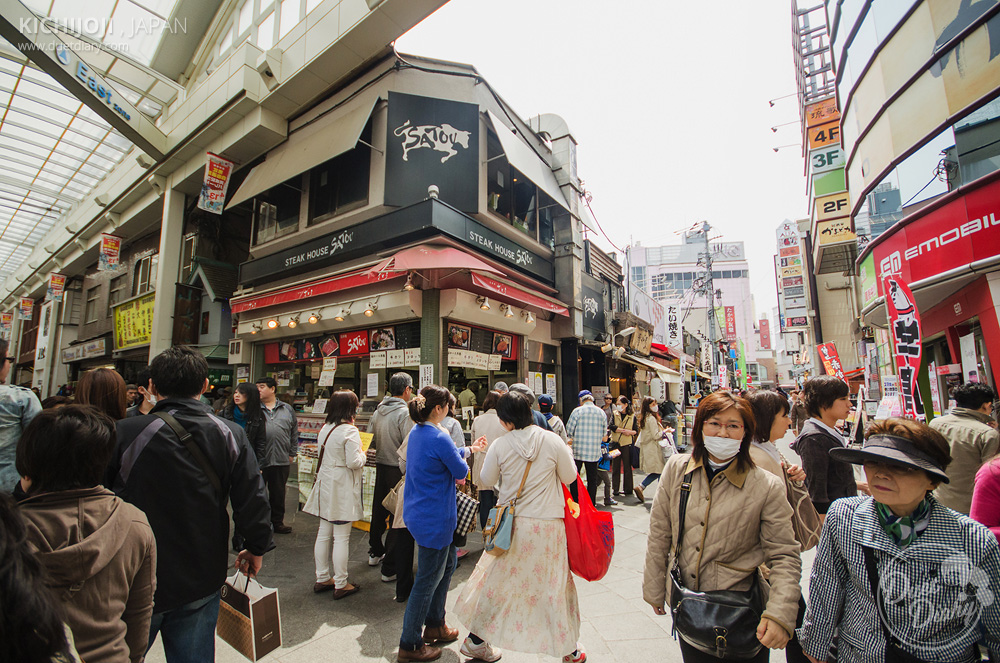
133	322
89	350
834	231
6	323
213	188
831	360
822	112
57	284
797	322
730	312
823	135
593	304
31	35
111	248
832	207
27	303
765	334
904	324
826	158
675	327
794	270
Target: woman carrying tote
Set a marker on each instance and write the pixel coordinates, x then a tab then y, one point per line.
900	576
525	599
336	495
623	433
652	453
737	517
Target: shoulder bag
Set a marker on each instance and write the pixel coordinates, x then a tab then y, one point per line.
893	652
806	523
499	528
193	449
722	623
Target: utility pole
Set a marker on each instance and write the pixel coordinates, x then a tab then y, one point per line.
709	290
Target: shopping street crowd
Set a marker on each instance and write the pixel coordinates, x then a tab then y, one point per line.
116	522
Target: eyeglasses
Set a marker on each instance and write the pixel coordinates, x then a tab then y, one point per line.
715	426
5	360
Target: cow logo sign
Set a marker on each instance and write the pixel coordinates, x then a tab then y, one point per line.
442	138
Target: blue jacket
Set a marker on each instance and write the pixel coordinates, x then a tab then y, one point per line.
18	406
433	464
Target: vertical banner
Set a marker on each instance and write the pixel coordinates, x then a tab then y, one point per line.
904	324
765	334
6	322
932	373
741	367
831	360
57	285
723	376
730	323
27	303
213	189
675	327
111	248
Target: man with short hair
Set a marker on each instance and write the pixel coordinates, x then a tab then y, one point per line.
131	394
468	397
389	425
587	427
180	465
281	427
18	406
972	439
146	399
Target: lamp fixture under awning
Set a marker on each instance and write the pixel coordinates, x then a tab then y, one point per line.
525	160
520	296
315	143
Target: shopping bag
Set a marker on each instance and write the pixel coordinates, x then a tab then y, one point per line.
590	535
249	618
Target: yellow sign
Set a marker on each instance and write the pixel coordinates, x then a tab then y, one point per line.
795	270
822	111
134	322
824	135
833	206
835	232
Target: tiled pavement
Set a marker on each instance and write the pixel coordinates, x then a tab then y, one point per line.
617	626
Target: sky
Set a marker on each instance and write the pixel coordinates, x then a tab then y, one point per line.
668	101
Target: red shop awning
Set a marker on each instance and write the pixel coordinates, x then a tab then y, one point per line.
432	257
322	287
519	295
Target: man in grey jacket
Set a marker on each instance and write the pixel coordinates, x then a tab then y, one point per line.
972	439
282	432
389	425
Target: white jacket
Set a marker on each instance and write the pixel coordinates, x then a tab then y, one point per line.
552	464
485	425
336	495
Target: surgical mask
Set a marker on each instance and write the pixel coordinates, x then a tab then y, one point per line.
723	448
151	398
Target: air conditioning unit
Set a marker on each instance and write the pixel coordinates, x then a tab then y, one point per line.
239	351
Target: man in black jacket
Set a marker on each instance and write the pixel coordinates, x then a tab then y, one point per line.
183	489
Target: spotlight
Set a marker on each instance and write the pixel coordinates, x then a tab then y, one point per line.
508	310
484	303
370	311
409	282
344	312
606	348
528	316
256	327
619	352
294	322
314	318
272	324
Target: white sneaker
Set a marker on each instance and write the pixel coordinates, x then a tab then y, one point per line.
481	652
374	560
579	656
391	578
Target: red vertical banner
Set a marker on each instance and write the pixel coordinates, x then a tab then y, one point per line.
57	284
765	334
27	304
111	248
904	325
831	360
213	188
730	323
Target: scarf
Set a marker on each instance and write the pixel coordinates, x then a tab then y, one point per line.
239	417
547	415
904	530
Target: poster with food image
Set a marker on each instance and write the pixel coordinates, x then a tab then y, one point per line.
382	338
288	351
310	349
329	346
459	335
502	344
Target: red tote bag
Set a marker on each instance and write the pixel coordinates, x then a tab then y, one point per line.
590	535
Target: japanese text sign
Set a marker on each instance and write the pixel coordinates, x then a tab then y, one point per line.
904	324
831	360
213	189
111	248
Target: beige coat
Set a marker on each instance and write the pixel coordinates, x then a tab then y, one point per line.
973	442
650	453
734	525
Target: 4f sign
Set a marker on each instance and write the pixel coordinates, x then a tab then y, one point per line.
833	206
825	135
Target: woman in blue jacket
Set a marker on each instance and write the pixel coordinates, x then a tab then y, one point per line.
433	465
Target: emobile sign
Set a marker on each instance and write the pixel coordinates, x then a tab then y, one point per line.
962	231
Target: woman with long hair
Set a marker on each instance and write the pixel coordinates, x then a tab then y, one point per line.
622	435
433	466
105	389
655	445
736	518
244	408
336	494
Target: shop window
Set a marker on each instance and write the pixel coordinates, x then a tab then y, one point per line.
90	313
498	185
546	220
276	212
517	199
119	288
341	184
187	256
145	275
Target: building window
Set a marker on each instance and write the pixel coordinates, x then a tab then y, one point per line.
276	212
145	275
90	313
341	184
119	286
639	277
516	198
187	256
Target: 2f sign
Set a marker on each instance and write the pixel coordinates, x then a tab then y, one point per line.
833	207
826	159
825	135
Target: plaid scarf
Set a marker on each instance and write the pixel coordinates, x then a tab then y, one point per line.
904	529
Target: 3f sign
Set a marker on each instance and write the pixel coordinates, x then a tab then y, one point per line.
826	159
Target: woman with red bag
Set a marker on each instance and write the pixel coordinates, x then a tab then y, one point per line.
525	599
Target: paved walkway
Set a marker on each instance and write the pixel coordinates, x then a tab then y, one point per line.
617	625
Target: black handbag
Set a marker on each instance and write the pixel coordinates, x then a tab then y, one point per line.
722	623
893	652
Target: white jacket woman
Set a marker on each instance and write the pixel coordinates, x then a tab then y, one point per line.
336	494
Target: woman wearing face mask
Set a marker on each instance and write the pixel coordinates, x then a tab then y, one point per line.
622	433
737	518
898	575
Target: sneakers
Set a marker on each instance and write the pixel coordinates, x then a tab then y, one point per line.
391	578
425	653
440	635
481	652
375	560
638	493
610	502
579	656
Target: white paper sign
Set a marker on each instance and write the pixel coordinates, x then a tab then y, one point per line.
395	359
550	385
319	407
598	392
372	385
494	364
314	371
454	357
411	357
538	384
468	413
426	375
329	363
326	378
377	360
284	382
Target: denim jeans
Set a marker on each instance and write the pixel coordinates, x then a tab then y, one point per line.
188	631
427	598
487	500
650	478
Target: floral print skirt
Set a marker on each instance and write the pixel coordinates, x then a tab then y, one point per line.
525	600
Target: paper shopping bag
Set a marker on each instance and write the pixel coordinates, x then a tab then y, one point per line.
249	618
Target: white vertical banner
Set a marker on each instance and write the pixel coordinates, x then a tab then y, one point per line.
675	327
